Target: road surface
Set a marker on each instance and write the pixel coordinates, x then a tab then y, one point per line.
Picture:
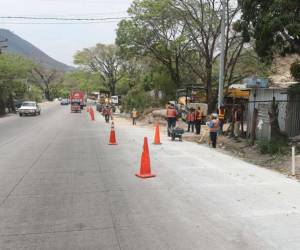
62	187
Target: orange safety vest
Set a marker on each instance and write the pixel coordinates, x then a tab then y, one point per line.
134	114
199	115
221	114
171	113
191	117
106	111
215	126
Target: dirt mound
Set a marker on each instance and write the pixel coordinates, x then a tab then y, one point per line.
280	70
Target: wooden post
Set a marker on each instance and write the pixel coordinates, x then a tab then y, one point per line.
293	161
253	128
232	122
242	121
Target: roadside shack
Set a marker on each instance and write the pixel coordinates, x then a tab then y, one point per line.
260	106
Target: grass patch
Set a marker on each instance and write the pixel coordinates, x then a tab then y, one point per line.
273	147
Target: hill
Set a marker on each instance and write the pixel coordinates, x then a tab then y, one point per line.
19	46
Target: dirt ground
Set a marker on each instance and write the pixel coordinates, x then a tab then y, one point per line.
236	147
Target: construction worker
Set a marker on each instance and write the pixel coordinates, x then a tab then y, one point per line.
106	113
198	120
221	118
171	117
191	120
213	126
134	115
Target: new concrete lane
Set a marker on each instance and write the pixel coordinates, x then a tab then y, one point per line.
63	187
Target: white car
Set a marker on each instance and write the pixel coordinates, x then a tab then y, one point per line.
29	108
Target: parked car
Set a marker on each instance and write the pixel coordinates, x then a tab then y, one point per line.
29	108
64	102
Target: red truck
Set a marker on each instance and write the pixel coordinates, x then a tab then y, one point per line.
77	100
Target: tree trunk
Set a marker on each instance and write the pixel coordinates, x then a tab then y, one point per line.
113	88
209	94
47	94
2	106
11	104
253	128
273	115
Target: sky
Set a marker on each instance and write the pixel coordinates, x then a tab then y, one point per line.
61	41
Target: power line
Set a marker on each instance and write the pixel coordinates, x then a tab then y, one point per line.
82	15
63	18
58	23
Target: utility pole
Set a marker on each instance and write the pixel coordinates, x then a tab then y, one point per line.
222	57
3	46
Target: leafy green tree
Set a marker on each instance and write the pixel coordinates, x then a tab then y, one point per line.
154	32
46	78
14	73
295	70
157	79
248	64
274	24
104	60
33	93
86	81
183	36
137	98
202	20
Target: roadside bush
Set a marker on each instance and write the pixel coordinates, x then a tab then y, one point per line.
138	99
34	94
278	146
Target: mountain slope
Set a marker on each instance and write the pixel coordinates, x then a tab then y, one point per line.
19	46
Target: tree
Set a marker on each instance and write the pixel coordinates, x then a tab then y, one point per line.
295	70
294	89
33	93
248	64
46	78
104	60
14	73
274	24
86	81
154	31
183	36
202	19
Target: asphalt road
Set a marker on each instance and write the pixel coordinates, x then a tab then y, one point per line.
62	187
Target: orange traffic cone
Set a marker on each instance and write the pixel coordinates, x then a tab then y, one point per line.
112	137
157	135
92	114
145	170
